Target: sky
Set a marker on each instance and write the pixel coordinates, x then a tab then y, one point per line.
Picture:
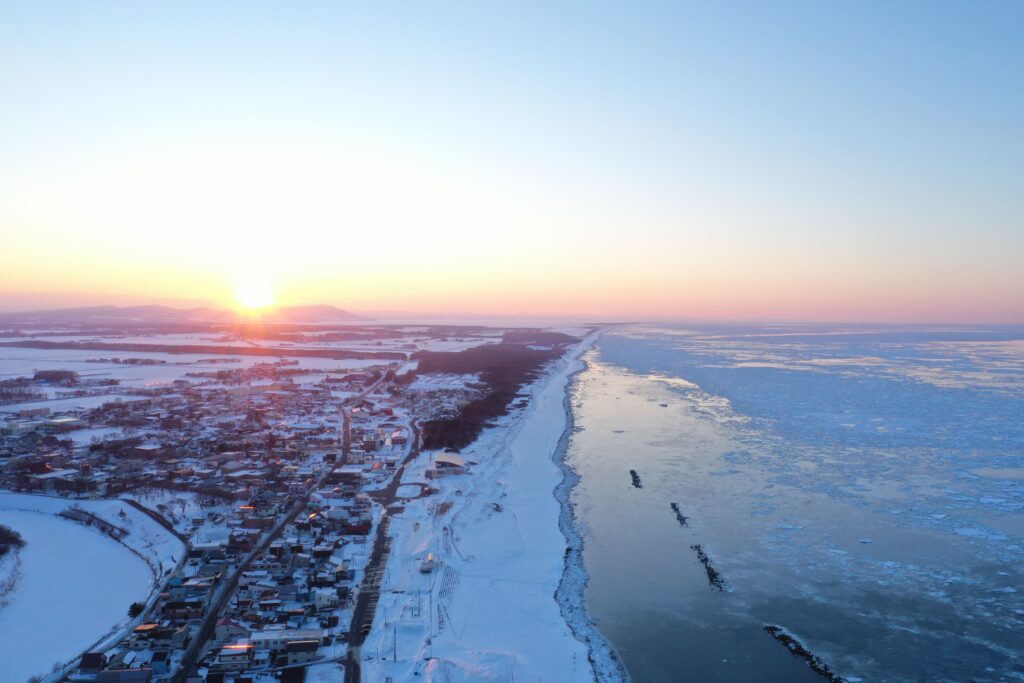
858	161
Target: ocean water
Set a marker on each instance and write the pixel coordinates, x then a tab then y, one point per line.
862	488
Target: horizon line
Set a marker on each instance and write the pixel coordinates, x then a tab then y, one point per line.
390	315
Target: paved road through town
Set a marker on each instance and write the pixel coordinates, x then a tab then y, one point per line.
369	590
227	589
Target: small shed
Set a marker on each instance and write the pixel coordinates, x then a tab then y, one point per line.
429	563
449	461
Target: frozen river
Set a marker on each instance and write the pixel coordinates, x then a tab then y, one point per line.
75	585
860	488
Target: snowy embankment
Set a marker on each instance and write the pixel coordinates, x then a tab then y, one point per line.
489	611
75	582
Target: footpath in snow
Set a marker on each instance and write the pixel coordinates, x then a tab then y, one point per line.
71	584
488	612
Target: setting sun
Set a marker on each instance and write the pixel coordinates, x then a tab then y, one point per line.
254	293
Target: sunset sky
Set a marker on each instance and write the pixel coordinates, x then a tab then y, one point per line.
769	160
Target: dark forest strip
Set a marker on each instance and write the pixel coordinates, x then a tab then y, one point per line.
503	368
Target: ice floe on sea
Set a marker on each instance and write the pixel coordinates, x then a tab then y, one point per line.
873	478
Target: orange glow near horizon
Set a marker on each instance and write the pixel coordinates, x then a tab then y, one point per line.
423	239
607	291
254	294
396	161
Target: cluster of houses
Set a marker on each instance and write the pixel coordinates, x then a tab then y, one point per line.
293	604
190	434
278	595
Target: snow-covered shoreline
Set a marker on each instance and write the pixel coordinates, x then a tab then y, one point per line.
505	604
571	593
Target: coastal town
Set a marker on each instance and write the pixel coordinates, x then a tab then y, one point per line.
271	490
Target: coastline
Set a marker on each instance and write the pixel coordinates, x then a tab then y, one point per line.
501	604
571	594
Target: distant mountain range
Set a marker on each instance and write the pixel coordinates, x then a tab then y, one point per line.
320	313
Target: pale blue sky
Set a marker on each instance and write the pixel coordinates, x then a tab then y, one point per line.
870	150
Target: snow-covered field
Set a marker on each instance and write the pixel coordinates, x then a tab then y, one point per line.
181	507
440	381
87	436
488	612
18	362
411	339
75	583
65	404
